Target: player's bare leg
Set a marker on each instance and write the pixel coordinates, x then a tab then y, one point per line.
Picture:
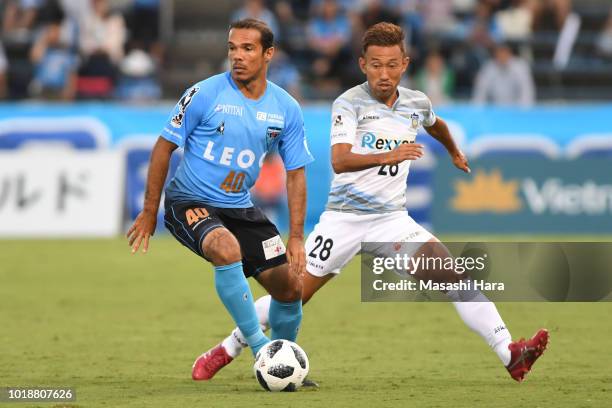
233	344
223	250
481	315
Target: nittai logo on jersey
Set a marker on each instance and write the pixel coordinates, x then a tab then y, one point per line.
380	143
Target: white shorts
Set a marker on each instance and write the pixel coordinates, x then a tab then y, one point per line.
337	238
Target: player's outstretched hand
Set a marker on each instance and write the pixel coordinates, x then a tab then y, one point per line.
296	256
141	230
460	161
406	151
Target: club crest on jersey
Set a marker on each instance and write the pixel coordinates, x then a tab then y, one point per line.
177	120
272	134
415	120
221	128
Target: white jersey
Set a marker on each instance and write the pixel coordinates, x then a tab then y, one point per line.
373	128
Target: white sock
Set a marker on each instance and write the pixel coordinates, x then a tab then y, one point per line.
235	342
482	316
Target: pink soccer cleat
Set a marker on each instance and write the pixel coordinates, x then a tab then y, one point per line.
208	364
525	352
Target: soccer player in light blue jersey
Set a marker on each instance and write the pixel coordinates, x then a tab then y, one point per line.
373	130
226	124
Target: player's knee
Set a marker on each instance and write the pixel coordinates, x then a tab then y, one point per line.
295	290
292	292
221	247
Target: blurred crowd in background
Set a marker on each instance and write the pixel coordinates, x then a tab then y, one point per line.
479	50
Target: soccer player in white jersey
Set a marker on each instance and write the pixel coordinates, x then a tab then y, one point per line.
374	126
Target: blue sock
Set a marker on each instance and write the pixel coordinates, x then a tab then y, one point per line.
285	319
235	293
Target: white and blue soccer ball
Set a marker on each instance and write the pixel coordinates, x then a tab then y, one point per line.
281	365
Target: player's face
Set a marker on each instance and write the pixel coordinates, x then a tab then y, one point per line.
247	58
384	67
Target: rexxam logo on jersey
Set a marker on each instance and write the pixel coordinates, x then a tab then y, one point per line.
371	141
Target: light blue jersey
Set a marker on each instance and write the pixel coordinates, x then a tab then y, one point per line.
226	136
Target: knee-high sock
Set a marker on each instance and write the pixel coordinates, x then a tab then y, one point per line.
285	319
235	342
481	315
235	293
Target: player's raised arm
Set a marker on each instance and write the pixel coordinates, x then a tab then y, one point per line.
439	131
144	225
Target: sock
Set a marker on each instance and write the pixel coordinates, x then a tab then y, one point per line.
481	315
235	342
235	293
285	319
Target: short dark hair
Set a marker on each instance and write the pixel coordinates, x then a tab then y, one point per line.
267	37
383	34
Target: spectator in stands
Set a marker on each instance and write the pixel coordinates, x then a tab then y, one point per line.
102	37
604	41
435	79
138	78
143	22
257	9
54	60
18	32
505	80
375	11
19	19
329	34
3	69
438	16
481	30
284	74
550	15
516	21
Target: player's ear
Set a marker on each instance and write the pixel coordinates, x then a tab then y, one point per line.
362	64
405	63
268	54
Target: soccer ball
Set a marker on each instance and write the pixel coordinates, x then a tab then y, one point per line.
281	365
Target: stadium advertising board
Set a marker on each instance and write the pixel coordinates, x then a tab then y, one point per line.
60	193
524	195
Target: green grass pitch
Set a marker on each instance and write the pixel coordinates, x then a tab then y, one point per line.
124	331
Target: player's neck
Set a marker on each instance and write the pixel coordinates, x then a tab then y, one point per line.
390	100
387	100
253	89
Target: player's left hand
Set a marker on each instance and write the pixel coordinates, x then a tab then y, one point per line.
296	255
460	161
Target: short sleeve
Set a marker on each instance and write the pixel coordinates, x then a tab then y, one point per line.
186	115
344	122
293	147
429	116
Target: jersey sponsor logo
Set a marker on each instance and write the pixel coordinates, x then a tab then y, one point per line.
276	118
273	247
272	134
177	120
261	116
244	159
233	110
369	116
221	128
370	140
